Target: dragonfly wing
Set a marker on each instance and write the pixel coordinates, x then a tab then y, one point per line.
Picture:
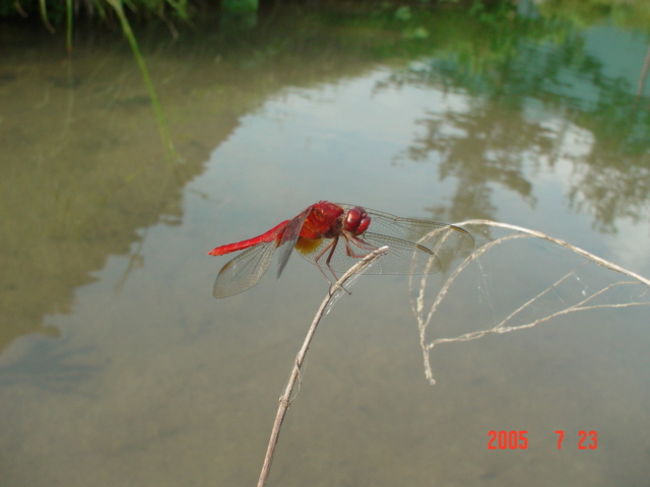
446	240
289	237
404	256
411	229
244	271
432	254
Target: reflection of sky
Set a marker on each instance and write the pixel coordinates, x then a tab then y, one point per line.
345	142
335	143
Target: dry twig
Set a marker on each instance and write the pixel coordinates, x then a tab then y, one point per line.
424	318
335	292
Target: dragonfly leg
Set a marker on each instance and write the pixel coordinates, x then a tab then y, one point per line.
328	262
359	243
331	247
329	257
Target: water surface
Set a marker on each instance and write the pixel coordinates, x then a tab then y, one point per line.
117	367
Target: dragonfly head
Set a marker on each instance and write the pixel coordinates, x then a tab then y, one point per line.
356	221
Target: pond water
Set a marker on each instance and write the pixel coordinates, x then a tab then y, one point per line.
118	367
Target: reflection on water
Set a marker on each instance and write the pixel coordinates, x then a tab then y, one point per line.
117	365
530	76
47	366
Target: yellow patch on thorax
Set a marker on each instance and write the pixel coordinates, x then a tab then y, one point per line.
307	245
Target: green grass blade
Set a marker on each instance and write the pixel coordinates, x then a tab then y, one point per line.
68	35
153	96
43	8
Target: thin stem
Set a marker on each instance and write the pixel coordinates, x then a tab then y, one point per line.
42	6
284	401
562	243
68	30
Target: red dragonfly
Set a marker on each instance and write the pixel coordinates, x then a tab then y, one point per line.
334	235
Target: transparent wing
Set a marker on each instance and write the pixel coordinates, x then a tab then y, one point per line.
244	271
410	229
416	246
431	254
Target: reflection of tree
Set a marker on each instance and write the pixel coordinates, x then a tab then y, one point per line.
610	185
559	75
624	13
537	65
478	152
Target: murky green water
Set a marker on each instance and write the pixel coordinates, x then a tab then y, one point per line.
117	367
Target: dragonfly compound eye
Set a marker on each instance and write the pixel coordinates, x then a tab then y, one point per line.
363	224
357	220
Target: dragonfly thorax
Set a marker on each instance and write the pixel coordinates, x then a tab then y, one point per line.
324	220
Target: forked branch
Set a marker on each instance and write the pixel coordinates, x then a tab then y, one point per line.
424	316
